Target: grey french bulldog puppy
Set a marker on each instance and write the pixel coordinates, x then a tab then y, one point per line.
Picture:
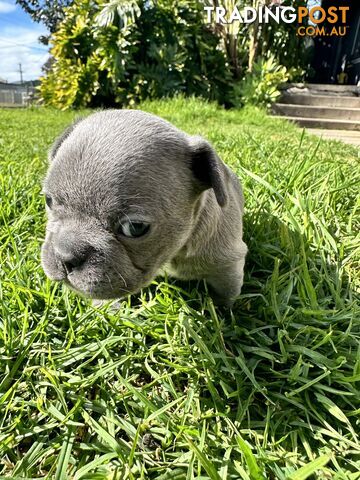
130	196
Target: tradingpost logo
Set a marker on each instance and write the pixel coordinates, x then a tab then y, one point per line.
311	20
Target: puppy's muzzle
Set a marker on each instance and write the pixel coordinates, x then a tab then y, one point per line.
70	253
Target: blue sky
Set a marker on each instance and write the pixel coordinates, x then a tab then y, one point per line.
19	43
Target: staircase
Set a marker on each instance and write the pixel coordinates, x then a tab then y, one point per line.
335	107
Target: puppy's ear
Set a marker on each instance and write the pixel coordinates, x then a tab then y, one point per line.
59	141
208	170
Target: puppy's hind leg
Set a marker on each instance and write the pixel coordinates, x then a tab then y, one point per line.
226	283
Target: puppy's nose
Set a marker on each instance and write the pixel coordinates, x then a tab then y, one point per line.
73	261
71	252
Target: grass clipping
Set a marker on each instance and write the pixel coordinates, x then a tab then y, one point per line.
167	386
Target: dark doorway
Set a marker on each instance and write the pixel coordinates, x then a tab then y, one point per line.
337	58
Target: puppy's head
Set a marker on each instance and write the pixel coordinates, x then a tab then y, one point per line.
122	194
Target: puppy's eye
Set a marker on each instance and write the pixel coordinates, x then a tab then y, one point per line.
48	201
133	229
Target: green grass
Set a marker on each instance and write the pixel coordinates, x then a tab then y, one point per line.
168	386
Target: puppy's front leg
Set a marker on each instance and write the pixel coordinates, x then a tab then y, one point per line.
226	283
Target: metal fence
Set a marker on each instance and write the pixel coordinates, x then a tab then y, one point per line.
14	95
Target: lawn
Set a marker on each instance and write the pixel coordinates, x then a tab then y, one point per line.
167	386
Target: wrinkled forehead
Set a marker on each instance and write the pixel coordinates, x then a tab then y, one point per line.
118	157
102	176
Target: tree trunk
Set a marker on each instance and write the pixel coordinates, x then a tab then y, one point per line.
254	34
254	44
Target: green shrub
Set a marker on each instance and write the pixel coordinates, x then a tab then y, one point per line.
261	86
162	49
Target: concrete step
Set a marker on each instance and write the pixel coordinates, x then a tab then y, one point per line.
313	111
322	89
328	123
346	136
320	100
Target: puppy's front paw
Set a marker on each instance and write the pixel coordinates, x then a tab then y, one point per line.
222	301
114	305
226	284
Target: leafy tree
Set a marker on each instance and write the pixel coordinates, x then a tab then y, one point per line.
119	12
122	52
281	40
244	44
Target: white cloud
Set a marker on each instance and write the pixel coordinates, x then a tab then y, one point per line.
7	7
20	45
